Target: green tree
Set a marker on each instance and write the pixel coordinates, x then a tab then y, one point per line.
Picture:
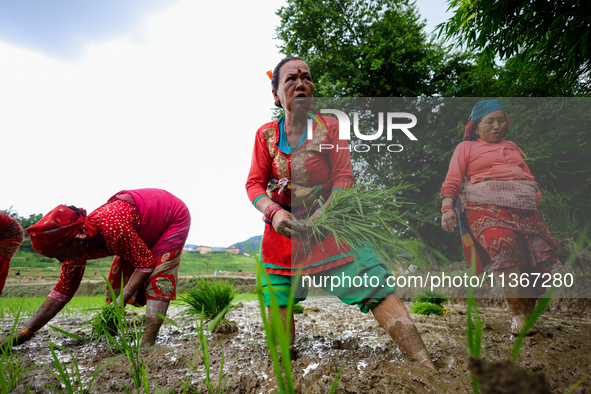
378	49
366	49
510	79
545	38
24	222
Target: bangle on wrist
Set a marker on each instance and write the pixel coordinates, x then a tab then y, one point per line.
446	208
127	293
26	333
271	210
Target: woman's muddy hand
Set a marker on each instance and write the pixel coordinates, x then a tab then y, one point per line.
449	221
282	223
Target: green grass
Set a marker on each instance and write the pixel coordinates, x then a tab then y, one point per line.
11	369
29	305
192	264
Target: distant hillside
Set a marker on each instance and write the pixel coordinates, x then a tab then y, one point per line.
253	242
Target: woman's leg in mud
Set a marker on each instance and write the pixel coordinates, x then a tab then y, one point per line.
521	301
392	315
283	312
153	321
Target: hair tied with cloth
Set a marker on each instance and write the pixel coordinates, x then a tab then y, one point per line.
61	225
480	109
270	74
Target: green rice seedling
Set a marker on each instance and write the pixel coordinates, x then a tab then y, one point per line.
213	387
297	308
425	308
561	219
102	322
11	369
65	377
209	298
474	325
278	334
361	217
543	303
579	382
206	356
72	380
127	342
431	297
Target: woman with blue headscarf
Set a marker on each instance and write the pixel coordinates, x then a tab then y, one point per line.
498	202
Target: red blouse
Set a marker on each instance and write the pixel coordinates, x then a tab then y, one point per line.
316	162
309	165
118	222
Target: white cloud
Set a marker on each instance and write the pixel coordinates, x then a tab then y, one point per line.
176	109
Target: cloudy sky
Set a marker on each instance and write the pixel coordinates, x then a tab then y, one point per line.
100	96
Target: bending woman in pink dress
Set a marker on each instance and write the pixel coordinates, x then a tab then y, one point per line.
144	229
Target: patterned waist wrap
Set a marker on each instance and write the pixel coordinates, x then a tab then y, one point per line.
506	228
519	194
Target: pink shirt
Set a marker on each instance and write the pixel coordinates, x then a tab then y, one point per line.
478	161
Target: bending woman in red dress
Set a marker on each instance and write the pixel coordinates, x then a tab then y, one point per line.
11	238
145	229
288	173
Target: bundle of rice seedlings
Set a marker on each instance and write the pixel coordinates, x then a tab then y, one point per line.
211	297
429	302
431	297
103	322
297	308
362	217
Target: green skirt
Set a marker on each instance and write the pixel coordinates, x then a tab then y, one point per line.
362	282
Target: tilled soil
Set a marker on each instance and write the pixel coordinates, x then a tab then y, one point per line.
555	357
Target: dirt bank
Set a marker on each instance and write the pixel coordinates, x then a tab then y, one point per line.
41	288
337	336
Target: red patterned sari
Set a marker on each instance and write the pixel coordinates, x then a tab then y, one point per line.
511	236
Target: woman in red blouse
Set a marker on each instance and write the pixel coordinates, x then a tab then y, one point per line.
289	173
144	229
11	237
499	203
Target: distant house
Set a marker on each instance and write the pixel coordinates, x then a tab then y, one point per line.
203	249
232	249
189	248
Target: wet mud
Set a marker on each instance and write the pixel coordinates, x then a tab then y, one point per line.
334	335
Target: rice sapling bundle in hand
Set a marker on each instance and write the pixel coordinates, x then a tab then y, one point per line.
103	323
361	217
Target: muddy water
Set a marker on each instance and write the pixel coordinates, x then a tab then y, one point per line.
336	336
